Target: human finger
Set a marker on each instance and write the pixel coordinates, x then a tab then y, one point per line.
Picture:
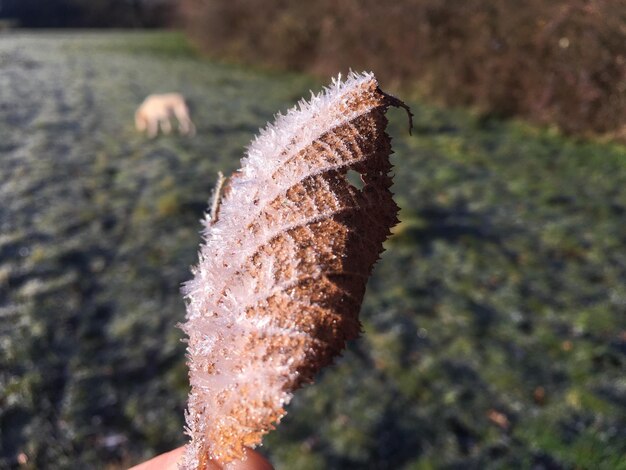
170	461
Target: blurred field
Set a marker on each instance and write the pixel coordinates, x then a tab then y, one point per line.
495	324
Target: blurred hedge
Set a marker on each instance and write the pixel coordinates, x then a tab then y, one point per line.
87	13
554	61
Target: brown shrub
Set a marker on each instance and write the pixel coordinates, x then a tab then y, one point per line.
552	61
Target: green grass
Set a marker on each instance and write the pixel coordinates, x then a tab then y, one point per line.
502	289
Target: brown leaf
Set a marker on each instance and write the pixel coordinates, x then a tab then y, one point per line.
282	274
499	419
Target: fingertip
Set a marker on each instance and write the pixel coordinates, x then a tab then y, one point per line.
253	461
167	461
171	460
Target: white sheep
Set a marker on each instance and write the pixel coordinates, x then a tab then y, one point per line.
158	110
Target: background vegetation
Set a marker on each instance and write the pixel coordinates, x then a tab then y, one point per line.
495	333
86	13
554	62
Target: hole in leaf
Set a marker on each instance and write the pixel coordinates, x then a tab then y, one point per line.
354	178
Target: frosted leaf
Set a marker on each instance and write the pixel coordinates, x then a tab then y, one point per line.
289	246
